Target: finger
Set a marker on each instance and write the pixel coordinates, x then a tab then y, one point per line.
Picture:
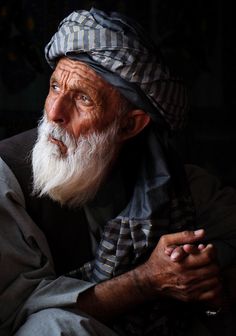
213	295
204	258
209	291
183	237
201	247
207	248
201	290
210	251
191	249
199	282
169	249
203	280
178	254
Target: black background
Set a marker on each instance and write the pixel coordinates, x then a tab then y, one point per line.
197	39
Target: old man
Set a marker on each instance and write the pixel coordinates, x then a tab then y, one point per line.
103	230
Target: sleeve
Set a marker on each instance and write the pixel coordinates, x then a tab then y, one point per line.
215	212
27	278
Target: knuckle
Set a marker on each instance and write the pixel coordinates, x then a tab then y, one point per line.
186	233
163	240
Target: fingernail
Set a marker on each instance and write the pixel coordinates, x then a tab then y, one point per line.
210	245
198	232
201	246
174	255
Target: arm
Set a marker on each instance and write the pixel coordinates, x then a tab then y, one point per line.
214	207
28	282
195	278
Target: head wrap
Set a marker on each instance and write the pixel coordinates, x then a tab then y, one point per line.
119	50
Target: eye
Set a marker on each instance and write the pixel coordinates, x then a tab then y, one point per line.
84	99
55	87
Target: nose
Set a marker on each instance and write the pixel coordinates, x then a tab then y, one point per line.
57	110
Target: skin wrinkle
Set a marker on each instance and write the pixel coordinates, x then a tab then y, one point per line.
81	117
84	134
77	87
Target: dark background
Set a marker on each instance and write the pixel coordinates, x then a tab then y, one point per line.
197	39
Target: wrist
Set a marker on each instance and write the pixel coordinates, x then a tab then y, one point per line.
142	282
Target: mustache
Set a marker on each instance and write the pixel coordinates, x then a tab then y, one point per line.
73	178
55	131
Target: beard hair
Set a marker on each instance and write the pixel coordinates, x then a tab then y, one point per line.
73	178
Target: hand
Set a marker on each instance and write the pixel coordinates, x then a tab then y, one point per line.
193	276
179	252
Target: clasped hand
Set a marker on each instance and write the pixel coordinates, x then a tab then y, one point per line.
181	268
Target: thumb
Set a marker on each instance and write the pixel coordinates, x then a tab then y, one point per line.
184	237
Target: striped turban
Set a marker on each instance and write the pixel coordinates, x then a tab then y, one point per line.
118	49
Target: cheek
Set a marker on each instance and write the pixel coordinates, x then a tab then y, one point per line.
48	103
87	121
83	126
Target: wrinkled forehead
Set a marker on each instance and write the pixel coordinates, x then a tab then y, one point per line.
76	78
76	69
73	72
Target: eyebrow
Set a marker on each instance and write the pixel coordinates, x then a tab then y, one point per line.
79	87
81	84
53	79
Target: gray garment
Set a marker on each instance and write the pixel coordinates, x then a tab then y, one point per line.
28	285
57	322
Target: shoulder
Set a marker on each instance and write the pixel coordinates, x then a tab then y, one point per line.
16	154
20	142
9	186
15	167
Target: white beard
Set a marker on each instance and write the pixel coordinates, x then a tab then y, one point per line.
72	178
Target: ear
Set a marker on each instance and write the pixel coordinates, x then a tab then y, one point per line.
132	124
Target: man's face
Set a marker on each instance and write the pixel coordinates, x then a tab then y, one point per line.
79	100
79	135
